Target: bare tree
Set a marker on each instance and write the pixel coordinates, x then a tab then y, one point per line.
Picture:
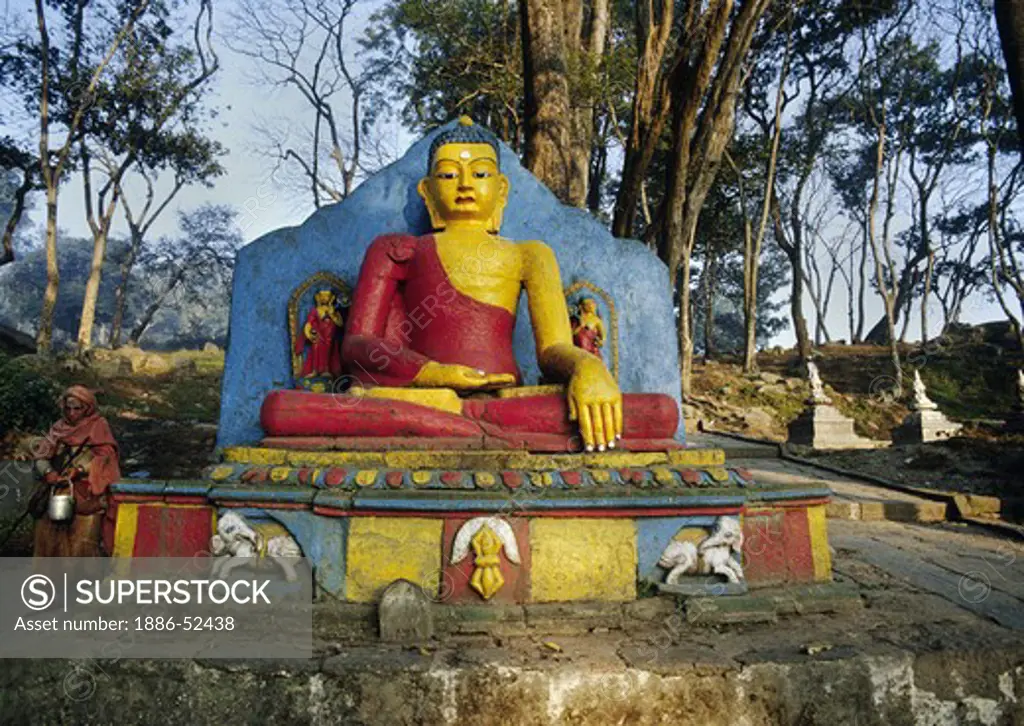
302	45
200	257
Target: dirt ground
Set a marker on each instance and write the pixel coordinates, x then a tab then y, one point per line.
975	465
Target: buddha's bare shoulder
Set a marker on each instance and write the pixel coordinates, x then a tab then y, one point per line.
535	253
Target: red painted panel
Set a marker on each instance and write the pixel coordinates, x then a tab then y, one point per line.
148	533
173	531
764	547
455	587
799	560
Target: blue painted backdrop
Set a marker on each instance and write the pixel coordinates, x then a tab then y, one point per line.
335	239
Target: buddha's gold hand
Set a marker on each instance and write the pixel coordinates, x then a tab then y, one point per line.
461	378
596	402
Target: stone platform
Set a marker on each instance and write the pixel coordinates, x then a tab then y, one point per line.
573	527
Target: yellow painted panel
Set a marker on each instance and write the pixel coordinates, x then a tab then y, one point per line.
443	399
582	559
384	549
820	554
254	455
478	460
125	529
696	457
525	391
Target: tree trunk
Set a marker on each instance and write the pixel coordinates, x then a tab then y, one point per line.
545	74
151	310
796	307
927	293
44	337
887	296
586	45
685	325
858	335
144	321
708	283
1010	20
7	253
121	292
92	292
650	110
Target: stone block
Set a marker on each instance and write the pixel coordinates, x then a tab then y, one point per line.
843	510
491	619
730	610
404	614
978	505
703	588
822	426
923	426
650	609
384	549
573	618
583	559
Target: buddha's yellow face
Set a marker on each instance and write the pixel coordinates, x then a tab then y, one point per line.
324	298
464	188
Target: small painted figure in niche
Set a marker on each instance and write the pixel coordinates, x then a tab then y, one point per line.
77	458
322	334
587	327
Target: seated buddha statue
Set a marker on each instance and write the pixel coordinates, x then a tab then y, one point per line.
428	344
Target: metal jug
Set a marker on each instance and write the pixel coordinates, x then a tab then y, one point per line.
61	507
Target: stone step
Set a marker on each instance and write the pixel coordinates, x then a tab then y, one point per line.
735	446
852	498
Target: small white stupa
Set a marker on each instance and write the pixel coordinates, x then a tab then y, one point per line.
820	425
925	422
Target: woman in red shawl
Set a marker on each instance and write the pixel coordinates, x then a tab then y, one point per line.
82	448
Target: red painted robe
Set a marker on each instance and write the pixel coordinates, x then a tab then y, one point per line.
586	338
406	312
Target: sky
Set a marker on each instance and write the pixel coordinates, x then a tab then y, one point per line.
265	203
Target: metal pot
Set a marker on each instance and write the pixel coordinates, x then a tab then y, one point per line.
61	507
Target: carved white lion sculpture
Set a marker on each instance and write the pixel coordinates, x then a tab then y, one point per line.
714	554
237	543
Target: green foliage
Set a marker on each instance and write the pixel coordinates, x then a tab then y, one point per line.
28	400
442	58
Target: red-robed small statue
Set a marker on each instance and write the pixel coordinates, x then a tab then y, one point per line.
587	327
322	333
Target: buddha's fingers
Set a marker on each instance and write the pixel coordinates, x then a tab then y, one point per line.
586	426
610	432
617	410
572	409
598	419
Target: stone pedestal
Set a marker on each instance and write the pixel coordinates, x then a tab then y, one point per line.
822	426
923	425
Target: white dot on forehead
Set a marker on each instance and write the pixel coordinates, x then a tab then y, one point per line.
464	154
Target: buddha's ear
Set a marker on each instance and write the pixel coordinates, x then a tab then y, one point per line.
494	223
436	222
